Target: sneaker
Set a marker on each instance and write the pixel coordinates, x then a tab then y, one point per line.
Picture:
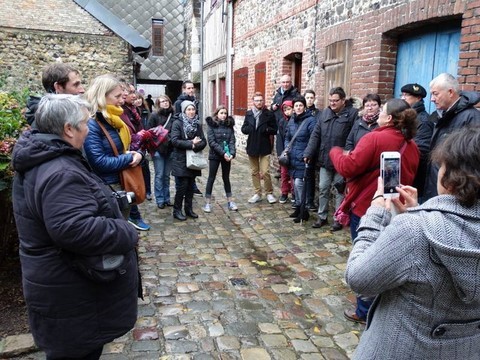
197	192
207	208
149	196
139	224
232	206
292	200
351	315
271	199
255	198
283	199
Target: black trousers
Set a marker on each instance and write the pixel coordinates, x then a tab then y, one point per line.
94	355
183	192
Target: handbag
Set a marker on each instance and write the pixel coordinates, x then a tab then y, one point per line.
196	160
131	178
284	158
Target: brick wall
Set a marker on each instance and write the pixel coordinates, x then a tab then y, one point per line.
374	27
42	32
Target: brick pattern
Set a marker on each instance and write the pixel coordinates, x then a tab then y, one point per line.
372	25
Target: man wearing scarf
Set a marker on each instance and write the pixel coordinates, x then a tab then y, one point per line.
260	125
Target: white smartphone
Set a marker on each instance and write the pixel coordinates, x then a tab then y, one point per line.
390	165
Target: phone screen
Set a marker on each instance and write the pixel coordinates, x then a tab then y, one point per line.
391	175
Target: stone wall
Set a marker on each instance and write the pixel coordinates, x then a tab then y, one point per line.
24	54
374	26
42	32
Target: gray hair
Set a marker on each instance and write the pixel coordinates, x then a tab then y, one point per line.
445	81
56	110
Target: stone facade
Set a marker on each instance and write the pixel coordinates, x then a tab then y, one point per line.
373	27
56	30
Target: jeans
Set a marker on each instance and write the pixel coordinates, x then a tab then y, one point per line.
327	178
298	188
363	302
260	168
213	166
162	164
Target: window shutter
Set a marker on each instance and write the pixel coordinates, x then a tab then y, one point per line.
240	80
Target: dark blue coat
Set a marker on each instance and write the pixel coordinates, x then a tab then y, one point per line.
297	165
100	154
219	132
62	207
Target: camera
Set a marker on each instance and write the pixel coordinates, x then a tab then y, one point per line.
124	199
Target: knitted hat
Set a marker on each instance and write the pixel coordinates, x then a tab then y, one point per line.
300	99
287	103
414	89
186	103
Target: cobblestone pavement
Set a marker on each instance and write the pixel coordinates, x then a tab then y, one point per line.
239	285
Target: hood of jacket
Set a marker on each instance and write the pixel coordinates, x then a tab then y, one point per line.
467	100
229	122
184	97
453	234
32	106
33	149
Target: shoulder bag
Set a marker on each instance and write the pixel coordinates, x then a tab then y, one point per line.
131	178
284	158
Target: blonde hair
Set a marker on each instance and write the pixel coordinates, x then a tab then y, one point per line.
98	90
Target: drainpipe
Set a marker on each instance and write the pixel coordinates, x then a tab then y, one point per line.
202	17
230	54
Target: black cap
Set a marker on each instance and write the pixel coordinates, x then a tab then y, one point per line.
414	89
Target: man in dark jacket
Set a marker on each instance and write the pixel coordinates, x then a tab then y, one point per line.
414	94
285	92
260	126
188	93
455	109
332	129
67	217
57	78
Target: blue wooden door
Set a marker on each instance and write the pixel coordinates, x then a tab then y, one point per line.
423	56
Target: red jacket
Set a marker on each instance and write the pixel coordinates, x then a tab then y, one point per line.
362	166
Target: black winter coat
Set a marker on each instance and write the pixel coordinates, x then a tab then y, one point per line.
160	118
460	115
219	132
296	168
359	129
259	141
422	139
180	145
279	98
177	106
331	130
62	207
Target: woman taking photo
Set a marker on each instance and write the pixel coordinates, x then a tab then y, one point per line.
162	161
297	134
187	134
105	94
423	265
361	167
221	140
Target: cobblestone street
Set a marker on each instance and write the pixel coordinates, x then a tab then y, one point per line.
239	285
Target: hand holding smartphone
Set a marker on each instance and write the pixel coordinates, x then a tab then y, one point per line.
390	165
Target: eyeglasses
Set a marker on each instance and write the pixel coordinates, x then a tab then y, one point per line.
163	101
